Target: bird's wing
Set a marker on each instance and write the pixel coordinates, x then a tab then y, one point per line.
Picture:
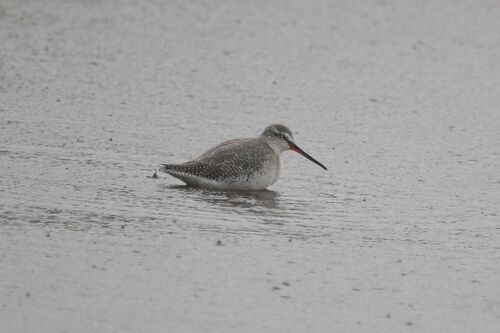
232	159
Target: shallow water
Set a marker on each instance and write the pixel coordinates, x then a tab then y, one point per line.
399	101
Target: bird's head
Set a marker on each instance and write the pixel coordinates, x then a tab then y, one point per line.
280	138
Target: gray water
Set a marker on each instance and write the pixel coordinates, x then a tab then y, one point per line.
399	99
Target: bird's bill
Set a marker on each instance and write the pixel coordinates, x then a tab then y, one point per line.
297	149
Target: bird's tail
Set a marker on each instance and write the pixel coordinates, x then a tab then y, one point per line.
165	167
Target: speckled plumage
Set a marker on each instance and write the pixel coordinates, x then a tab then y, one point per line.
240	164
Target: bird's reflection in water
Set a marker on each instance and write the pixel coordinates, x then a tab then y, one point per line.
238	199
269	212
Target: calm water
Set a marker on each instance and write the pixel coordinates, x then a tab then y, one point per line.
399	101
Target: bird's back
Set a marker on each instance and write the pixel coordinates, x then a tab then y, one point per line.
238	163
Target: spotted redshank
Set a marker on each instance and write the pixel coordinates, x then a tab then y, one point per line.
239	164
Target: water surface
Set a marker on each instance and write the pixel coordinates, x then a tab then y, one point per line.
399	101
